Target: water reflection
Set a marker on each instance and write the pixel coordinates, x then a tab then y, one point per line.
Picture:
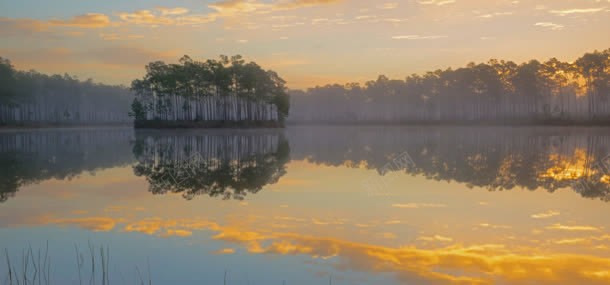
28	157
311	217
491	158
225	164
231	164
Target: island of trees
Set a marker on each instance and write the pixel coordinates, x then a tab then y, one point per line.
502	92
29	98
214	93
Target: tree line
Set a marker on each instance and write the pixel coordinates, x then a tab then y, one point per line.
228	89
30	97
500	91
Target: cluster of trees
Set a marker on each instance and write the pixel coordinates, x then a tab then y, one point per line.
29	97
228	89
500	91
221	165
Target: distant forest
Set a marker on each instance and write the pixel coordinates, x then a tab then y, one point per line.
224	90
33	98
496	91
231	90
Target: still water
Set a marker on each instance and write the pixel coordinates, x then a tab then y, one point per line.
306	205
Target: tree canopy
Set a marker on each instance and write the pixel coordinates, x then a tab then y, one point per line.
496	90
192	81
33	97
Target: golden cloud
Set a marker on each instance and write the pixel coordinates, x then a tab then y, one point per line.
90	20
547	214
145	17
461	264
419	205
172	11
572	228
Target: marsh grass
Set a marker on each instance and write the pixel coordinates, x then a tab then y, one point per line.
35	267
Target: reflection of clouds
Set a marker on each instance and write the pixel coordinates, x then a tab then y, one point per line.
457	263
96	224
225	251
177	233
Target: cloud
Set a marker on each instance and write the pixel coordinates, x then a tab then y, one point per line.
418	205
572	228
492	226
417	37
172	11
544	215
388	6
295	4
230	8
11	26
552	26
437	2
146	17
118	37
128	56
576	11
435	238
492	15
91	20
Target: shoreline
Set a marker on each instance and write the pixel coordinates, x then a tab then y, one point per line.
157	124
277	125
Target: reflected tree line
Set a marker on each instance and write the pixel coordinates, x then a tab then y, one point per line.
28	157
30	97
227	165
498	91
233	163
492	158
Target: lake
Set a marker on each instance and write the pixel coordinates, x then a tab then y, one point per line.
306	205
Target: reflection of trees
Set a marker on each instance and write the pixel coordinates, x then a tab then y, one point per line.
229	165
492	158
32	156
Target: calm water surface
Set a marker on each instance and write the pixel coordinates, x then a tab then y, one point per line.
309	205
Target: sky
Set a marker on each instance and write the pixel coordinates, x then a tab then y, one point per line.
308	42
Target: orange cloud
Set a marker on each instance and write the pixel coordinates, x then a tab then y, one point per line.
145	17
572	228
90	20
172	11
461	264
